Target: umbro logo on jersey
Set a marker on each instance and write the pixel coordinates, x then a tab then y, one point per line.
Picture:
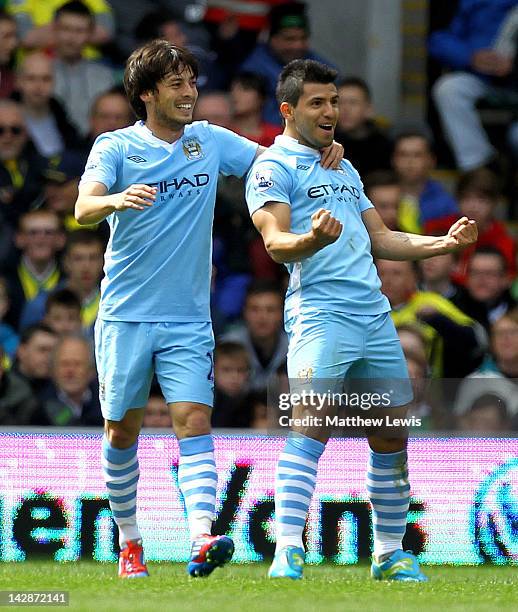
137	159
302	167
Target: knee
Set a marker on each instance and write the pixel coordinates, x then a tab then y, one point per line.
387	445
192	423
449	88
119	435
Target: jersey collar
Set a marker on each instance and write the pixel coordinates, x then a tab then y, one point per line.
287	142
148	135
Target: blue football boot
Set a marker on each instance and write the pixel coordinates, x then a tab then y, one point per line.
288	563
401	565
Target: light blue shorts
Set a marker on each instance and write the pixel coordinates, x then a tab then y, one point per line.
331	351
128	354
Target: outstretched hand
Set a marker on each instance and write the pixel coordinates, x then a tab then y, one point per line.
462	233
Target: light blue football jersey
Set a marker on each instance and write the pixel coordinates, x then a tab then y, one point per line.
158	260
342	276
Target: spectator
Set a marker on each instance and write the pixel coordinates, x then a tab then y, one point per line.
63	312
499	370
436	276
383	190
39	238
288	40
8	337
72	398
17	403
504	347
8	44
46	121
110	111
479	50
248	95
169	26
232	226
33	357
21	166
487	416
413	340
365	145
262	334
478	196
486	296
78	81
231	378
456	341
157	413
215	108
129	13
418	372
424	199
83	265
62	176
260	417
36	29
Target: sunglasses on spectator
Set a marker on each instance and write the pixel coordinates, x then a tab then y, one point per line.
15	130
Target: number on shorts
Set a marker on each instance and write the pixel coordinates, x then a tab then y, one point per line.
210	375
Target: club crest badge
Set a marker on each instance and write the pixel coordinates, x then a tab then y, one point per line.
306	374
192	149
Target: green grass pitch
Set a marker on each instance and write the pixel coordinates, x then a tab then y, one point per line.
94	587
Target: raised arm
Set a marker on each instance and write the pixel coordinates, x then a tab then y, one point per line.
93	205
399	246
273	222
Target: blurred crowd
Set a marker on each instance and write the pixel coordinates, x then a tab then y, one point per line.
61	66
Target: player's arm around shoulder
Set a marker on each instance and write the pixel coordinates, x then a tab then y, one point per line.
93	204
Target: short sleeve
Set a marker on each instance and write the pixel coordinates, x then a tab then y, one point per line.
236	153
103	162
363	203
267	181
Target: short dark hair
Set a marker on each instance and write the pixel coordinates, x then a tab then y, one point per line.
491	251
251	80
293	76
75	7
116	90
148	65
415	133
354	81
63	297
38	328
83	236
259	286
230	349
481	182
5	16
380	178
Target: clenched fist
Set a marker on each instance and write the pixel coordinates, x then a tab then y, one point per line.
325	228
462	233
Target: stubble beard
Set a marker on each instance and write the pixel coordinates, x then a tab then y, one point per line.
169	122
